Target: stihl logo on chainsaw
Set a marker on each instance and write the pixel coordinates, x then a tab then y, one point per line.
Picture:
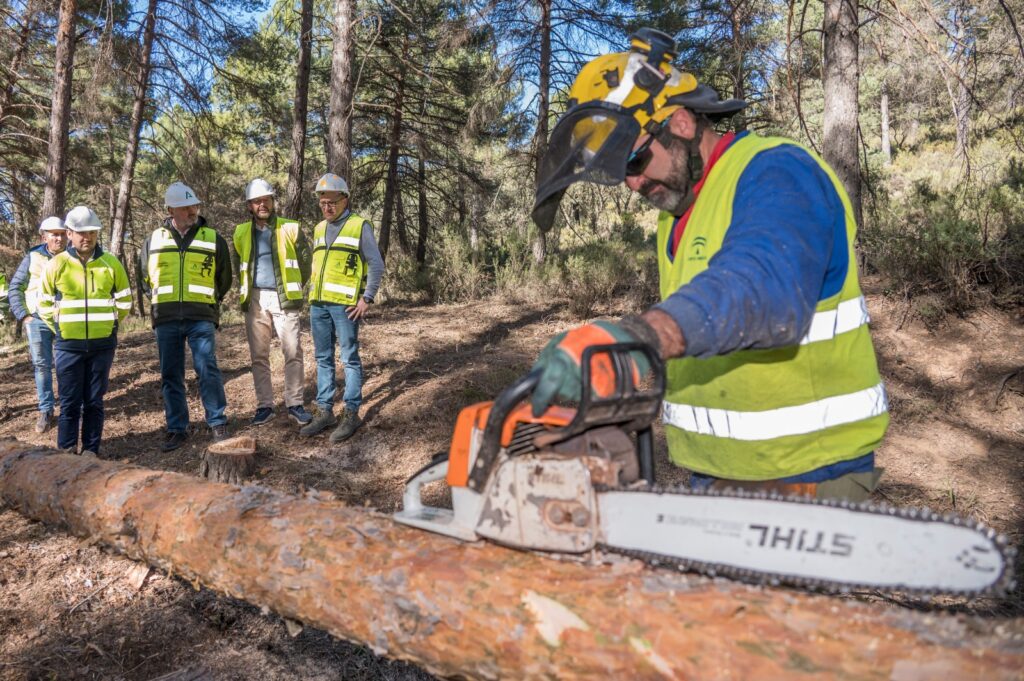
792	539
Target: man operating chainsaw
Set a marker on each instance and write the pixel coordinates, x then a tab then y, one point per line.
772	381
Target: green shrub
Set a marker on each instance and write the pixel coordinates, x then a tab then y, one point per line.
962	247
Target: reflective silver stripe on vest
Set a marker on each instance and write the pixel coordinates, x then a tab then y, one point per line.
203	245
349	241
92	302
292	263
93	316
159	241
848	315
293	286
161	290
196	288
772	423
338	288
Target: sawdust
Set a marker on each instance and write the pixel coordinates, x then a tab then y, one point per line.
69	610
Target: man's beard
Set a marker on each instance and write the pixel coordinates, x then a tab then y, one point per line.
674	194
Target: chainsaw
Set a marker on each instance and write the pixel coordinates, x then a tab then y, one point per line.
581	480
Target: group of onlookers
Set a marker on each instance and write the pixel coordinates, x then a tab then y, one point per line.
72	295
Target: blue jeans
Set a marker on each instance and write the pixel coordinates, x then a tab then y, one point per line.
329	324
170	341
83	378
40	349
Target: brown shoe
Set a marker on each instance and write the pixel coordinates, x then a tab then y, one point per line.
44	422
322	421
350	423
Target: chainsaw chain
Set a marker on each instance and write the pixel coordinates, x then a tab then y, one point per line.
1005	583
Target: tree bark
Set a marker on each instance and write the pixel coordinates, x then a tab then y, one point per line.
540	136
339	137
232	461
739	56
394	144
421	209
481	610
293	195
17	59
124	188
839	144
60	112
886	143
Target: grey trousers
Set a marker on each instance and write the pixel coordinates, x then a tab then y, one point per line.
262	319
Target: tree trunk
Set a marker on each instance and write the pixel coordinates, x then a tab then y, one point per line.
24	34
339	137
60	111
540	137
232	461
839	143
124	188
480	610
739	56
401	221
394	144
962	113
421	212
886	144
293	195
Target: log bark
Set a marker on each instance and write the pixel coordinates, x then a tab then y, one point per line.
480	610
232	461
60	112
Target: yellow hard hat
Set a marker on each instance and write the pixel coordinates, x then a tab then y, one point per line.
613	100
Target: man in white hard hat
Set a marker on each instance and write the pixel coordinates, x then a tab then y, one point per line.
83	297
347	269
273	267
186	272
24	298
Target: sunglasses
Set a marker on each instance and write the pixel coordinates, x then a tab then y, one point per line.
641	156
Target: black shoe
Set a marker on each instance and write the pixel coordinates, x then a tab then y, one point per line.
300	415
220	432
173	439
263	415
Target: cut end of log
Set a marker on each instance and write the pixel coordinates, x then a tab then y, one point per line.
232	461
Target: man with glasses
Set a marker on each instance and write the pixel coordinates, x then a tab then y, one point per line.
347	270
185	269
273	267
24	299
772	381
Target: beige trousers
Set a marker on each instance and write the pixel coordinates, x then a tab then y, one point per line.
263	317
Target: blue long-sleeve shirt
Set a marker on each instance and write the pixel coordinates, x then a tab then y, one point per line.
785	250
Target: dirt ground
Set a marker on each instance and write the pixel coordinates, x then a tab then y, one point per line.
69	610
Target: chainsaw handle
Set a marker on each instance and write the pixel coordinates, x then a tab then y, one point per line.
491	443
627	405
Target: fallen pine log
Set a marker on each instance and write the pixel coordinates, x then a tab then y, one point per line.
480	610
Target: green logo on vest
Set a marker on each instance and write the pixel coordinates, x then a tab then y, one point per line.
697	249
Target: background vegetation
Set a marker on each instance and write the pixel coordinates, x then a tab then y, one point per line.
451	105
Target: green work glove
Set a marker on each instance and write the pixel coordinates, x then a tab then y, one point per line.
560	360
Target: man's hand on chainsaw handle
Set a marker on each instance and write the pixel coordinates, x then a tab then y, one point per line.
560	359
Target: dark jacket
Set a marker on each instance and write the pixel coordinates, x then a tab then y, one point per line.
188	311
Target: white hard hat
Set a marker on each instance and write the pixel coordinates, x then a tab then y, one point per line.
82	219
331	183
179	195
257	188
51	224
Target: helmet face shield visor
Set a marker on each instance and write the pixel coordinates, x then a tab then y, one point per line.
591	143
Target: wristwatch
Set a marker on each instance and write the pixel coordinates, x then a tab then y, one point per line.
368	299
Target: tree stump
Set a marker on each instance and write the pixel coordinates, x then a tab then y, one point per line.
232	461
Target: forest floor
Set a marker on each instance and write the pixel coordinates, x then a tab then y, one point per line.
70	610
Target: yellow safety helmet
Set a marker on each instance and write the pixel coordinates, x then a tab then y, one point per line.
614	98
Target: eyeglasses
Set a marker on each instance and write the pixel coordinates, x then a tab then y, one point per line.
330	202
641	156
